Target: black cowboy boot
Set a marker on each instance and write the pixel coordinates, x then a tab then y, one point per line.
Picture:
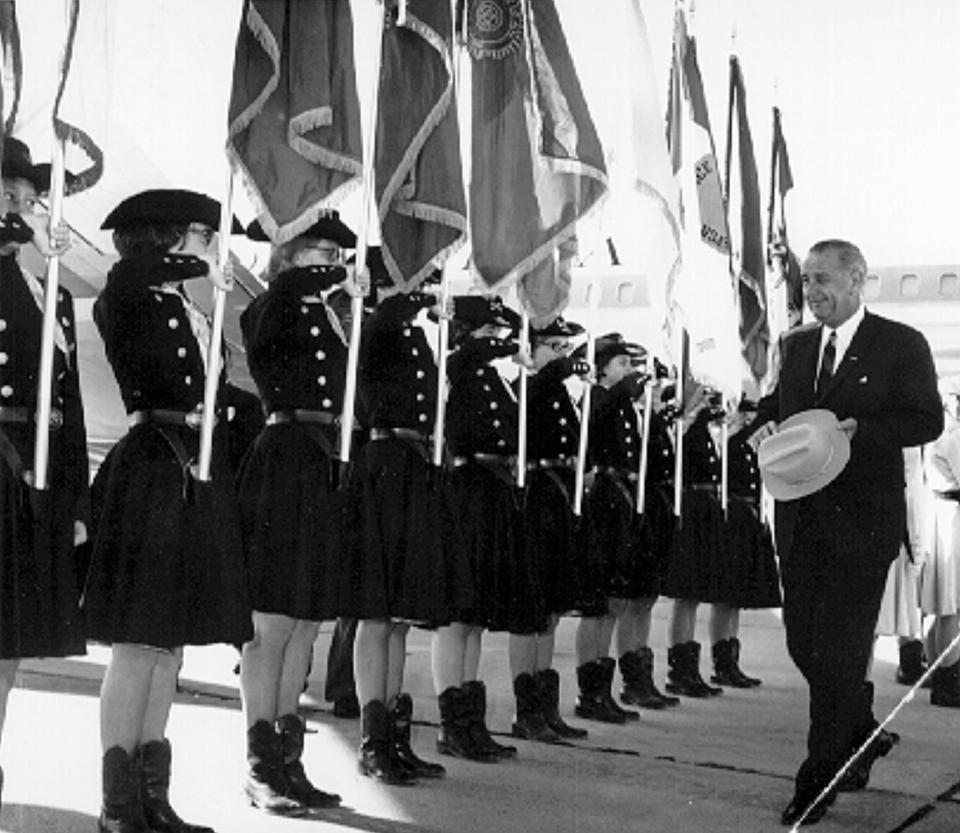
912	663
946	686
636	669
530	723
155	757
266	786
121	811
726	665
455	738
607	666
376	752
548	697
475	693
684	675
291	730
400	717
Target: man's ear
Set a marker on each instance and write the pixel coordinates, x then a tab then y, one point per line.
858	277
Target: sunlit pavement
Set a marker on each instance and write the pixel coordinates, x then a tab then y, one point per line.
718	765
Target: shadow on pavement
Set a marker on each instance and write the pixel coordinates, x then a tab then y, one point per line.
20	818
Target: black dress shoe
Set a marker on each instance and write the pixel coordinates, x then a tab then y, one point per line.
798	806
858	775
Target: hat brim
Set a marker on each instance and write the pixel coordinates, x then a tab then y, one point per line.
826	421
163	206
326	228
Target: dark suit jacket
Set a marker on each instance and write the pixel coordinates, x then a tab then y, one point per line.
888	383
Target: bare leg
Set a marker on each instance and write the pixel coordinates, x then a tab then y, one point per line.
545	644
8	676
296	662
633	625
163	686
471	657
370	652
447	656
724	622
125	693
523	653
262	664
396	659
683	621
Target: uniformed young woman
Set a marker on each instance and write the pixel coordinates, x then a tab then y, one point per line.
481	436
553	538
749	578
290	505
166	568
619	536
698	545
39	587
403	562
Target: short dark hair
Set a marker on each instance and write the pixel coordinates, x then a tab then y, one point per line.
148	238
848	254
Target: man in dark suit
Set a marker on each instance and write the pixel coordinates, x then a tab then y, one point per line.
877	376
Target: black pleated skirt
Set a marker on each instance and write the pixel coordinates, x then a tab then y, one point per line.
633	549
506	584
752	578
293	519
570	570
167	562
698	550
404	559
39	581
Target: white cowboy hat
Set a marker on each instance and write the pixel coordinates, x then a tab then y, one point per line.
806	453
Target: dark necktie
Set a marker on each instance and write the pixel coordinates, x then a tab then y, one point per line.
826	364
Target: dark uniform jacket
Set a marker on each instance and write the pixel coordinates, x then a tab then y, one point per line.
553	424
147	333
398	374
481	408
296	346
21	324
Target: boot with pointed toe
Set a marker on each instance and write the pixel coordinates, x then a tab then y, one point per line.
121	810
548	695
401	716
529	723
291	729
475	693
636	670
155	760
376	759
266	786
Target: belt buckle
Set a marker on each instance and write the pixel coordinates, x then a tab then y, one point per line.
56	418
193	419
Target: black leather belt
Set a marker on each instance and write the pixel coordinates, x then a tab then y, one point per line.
302	415
401	434
162	416
704	487
420	443
487	459
948	494
23	415
552	463
616	472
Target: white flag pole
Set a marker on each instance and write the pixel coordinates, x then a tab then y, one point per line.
214	357
41	450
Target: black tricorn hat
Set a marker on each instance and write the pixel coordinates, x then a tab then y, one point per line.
17	164
167	205
479	310
558	328
611	345
329	226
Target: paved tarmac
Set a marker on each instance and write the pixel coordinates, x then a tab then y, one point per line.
722	765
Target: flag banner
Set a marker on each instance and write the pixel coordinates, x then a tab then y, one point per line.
701	296
11	64
537	165
787	311
754	327
419	178
294	117
79	110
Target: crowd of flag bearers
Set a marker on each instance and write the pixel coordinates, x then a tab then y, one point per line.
264	549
